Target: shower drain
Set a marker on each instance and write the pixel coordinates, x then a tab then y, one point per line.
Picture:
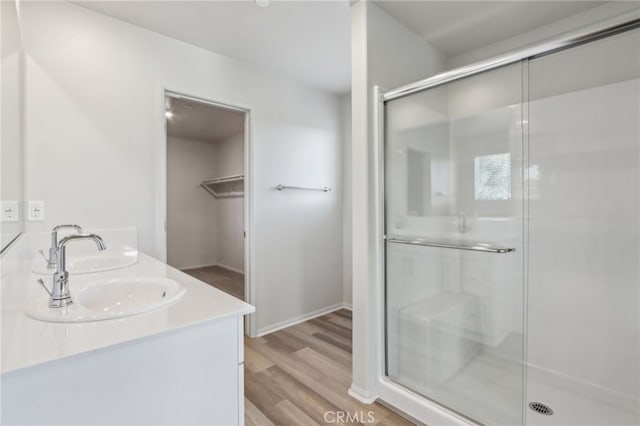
541	408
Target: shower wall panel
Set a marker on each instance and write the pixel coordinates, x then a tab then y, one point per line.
584	216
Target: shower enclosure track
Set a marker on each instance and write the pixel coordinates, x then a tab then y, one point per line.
624	22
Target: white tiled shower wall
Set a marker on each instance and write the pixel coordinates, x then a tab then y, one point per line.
584	208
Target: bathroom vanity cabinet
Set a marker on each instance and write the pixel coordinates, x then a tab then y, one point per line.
179	365
191	376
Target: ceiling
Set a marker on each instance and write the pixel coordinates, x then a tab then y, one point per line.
456	27
308	40
195	120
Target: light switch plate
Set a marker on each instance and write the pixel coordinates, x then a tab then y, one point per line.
9	211
36	211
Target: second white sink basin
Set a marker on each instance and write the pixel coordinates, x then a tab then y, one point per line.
90	264
111	298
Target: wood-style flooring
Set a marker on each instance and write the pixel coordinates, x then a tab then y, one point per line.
300	376
223	279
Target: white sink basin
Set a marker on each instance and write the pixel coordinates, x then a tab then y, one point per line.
111	298
90	264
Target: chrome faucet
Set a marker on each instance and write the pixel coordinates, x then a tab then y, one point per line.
59	293
53	251
464	224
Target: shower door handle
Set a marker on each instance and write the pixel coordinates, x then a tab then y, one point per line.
471	246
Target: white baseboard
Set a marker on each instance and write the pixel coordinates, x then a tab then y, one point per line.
347	306
185	268
297	320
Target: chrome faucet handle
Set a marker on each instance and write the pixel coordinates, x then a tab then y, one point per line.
54	233
59	227
53	250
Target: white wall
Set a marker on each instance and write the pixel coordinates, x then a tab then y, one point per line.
230	211
230	160
396	55
203	230
192	220
384	53
95	124
347	288
11	168
363	371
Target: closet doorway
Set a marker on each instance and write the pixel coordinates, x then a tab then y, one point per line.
206	204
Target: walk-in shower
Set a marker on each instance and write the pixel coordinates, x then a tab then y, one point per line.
512	212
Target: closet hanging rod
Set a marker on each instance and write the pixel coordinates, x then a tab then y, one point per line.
282	187
471	246
223	179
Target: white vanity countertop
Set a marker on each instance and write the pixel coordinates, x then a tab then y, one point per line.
27	342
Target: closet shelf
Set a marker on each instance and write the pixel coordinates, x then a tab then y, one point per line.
225	179
225	187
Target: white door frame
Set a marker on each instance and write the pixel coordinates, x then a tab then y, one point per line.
249	285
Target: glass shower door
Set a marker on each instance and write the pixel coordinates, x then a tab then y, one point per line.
454	244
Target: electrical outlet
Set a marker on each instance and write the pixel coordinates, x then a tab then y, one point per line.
36	211
9	211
